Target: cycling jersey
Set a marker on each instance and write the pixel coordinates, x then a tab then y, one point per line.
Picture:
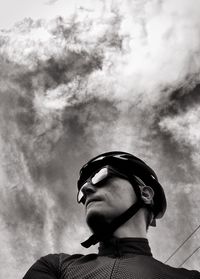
117	258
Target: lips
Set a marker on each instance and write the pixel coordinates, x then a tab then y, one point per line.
93	200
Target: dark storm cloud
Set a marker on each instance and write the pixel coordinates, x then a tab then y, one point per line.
181	100
179	122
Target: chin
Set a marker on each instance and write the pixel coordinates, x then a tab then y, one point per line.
96	221
94	209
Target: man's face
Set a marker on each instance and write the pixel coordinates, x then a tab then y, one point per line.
113	197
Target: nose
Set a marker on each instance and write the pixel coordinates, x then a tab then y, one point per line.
88	189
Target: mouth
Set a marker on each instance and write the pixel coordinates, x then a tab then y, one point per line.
92	200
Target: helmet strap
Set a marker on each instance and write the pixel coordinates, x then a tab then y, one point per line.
116	223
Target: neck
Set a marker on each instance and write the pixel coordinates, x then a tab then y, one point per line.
134	227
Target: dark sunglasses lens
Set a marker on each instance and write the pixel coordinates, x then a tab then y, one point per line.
99	176
80	196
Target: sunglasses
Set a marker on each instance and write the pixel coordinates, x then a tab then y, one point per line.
97	179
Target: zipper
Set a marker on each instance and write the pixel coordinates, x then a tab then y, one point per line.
117	254
115	269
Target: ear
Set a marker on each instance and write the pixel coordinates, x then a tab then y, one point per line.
147	194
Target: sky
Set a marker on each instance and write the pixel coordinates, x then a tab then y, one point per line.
78	80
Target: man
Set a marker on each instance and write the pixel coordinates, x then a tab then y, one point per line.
122	197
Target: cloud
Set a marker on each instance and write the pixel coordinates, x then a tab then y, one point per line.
184	129
121	77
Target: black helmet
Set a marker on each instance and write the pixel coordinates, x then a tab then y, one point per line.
134	169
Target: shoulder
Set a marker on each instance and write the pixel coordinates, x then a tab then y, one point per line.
48	267
177	272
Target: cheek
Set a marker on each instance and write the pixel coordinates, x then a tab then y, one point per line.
123	198
130	197
118	201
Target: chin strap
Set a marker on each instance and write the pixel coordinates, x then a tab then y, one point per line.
116	223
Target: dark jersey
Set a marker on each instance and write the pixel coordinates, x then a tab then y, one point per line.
128	258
